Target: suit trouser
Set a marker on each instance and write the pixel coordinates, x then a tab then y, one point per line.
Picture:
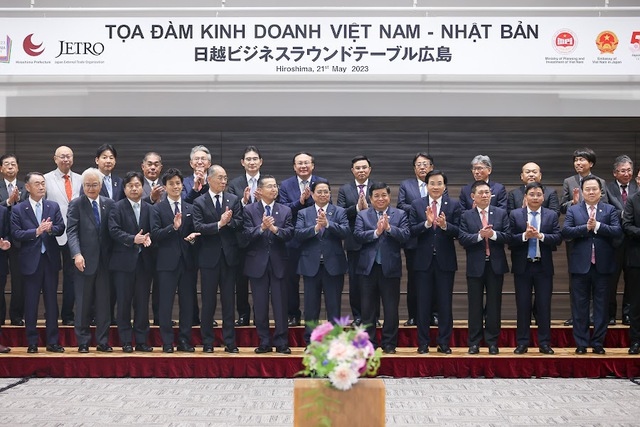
314	286
434	283
621	268
183	280
355	300
634	304
373	287
489	312
16	306
584	287
412	300
3	302
133	287
260	287
242	288
222	275
89	288
45	280
293	283
541	282
68	289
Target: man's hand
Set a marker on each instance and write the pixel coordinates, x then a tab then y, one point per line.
79	262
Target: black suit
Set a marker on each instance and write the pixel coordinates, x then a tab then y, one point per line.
218	260
4	268
631	226
132	266
93	242
515	199
175	268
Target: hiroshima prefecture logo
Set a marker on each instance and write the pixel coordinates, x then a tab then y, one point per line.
565	41
30	48
607	42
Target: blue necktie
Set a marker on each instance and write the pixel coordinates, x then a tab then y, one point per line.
378	251
533	242
96	212
136	212
218	207
423	189
107	183
176	211
39	218
268	210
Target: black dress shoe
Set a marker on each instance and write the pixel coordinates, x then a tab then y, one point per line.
234	349
144	348
32	349
410	322
67	323
356	322
207	348
186	347
378	324
598	349
635	348
242	321
55	348
389	349
546	349
626	320
293	321
493	349
127	347
423	349
93	322
83	348
474	349
568	322
167	348
17	322
113	322
4	349
434	320
581	350
263	349
612	321
443	348
215	323
283	349
104	348
521	349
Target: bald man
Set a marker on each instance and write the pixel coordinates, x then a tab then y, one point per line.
531	172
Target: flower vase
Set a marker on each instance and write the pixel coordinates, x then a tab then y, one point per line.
317	403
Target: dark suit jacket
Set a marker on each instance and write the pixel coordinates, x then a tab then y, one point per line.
631	226
5	234
170	243
116	186
515	199
188	193
470	225
574	182
265	247
498	196
519	250
123	229
438	240
289	193
83	234
216	242
328	245
238	184
23	230
348	196
389	243
575	227
615	197
4	192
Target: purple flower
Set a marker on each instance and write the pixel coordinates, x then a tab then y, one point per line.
343	321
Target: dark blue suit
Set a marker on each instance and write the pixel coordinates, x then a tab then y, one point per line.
498	196
116	187
483	273
4	269
515	198
322	262
175	265
435	264
40	270
189	194
533	274
589	279
381	280
265	265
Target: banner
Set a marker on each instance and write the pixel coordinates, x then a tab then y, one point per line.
320	46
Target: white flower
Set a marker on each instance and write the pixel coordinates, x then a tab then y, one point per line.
340	350
343	377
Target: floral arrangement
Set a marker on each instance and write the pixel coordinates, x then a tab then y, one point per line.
341	354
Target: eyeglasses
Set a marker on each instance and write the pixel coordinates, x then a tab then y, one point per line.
92	186
478	168
624	170
200	159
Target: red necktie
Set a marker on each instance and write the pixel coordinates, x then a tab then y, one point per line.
67	187
624	193
484	224
593	248
321	231
434	209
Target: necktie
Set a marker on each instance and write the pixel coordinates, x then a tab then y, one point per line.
252	187
592	214
268	210
624	193
67	187
434	209
39	218
360	189
423	189
321	231
218	207
533	242
107	183
303	185
176	209
153	184
96	212
136	212
378	251
484	224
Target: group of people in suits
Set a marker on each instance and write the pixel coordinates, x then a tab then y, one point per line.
116	239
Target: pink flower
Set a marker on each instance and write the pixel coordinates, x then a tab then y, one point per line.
321	331
343	377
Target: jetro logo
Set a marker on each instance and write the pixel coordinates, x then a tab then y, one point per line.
635	42
607	42
30	48
564	41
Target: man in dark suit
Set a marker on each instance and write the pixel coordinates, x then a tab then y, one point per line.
481	169
353	197
381	230
484	231
435	220
217	216
631	226
131	263
90	247
12	191
35	224
531	172
267	227
196	185
245	187
593	226
5	244
295	193
173	233
112	186
535	235
619	191
320	229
